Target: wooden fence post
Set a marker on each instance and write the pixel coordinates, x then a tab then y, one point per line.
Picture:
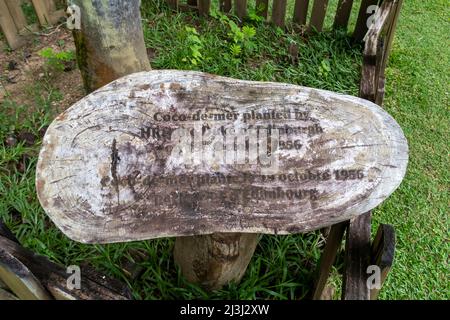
363	15
8	27
383	250
327	259
240	8
343	13
319	11
357	258
301	11
279	12
262	7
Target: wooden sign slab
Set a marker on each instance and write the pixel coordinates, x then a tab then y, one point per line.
172	153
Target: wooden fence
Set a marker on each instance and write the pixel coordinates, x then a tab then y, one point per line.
13	21
378	39
318	9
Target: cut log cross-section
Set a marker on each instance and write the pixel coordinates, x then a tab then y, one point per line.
177	153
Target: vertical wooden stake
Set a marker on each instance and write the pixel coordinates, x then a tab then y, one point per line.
240	8
357	258
41	9
279	12
363	16
215	260
8	27
301	11
383	250
327	259
17	14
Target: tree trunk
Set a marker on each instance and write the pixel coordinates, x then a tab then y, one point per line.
110	43
216	259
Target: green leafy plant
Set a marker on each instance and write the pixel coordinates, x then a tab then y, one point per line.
254	15
324	68
241	38
56	60
195	45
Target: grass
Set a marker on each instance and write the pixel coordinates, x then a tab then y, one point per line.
282	266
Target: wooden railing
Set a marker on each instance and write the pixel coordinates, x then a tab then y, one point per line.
378	42
13	21
378	39
319	9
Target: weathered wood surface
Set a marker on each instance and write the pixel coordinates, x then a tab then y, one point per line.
332	246
215	260
8	27
318	14
36	271
383	251
110	168
363	15
376	53
19	279
357	259
225	5
240	8
343	12
301	11
279	12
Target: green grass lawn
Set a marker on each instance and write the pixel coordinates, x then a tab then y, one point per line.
282	267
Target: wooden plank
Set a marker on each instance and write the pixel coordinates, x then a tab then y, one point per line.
144	174
5	295
301	11
318	13
327	259
279	12
262	7
391	31
51	7
17	14
203	7
363	16
225	5
173	4
19	279
55	16
373	55
343	12
383	250
367	85
379	98
241	8
54	277
40	7
357	258
187	8
8	27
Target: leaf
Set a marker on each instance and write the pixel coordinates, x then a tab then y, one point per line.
249	32
325	64
46	53
235	49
